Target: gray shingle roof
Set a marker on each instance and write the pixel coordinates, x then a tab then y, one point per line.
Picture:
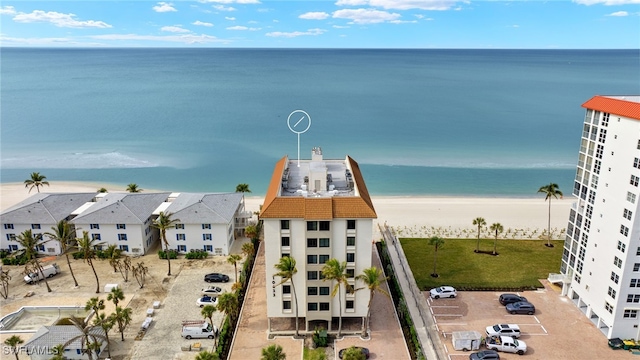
196	208
50	336
45	208
122	208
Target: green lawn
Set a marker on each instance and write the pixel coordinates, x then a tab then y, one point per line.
520	263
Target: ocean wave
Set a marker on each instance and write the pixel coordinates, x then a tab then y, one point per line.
470	164
76	160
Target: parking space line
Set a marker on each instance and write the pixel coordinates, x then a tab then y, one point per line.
447	315
543	329
453	323
535	317
444	306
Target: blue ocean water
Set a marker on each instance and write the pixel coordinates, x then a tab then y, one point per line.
419	122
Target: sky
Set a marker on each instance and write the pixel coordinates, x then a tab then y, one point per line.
487	24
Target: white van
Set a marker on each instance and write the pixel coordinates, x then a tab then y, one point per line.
48	271
198	329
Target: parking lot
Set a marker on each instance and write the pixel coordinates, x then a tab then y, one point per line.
558	330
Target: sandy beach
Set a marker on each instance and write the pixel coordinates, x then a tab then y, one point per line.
411	216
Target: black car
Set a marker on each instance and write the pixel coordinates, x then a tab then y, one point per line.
364	350
510	298
521	307
216	277
485	355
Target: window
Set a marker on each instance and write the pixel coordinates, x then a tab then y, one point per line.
282	255
632	298
599	151
35	226
631	197
312	306
617	262
284	224
350	273
8	226
621	246
608	307
286	289
312	242
634	180
634	283
182	248
611	292
624	230
206	237
208	248
589	212
322	259
627	214
285	241
636	163
121	226
584	239
312	259
324	225
603	135
122	237
206	226
312	290
636	267
94	226
351	241
351	224
181	237
312	275
349	304
324	290
592	197
179	226
630	314
351	257
286	305
124	248
324	242
615	277
587	224
312	226
605	119
324	306
95	237
13	238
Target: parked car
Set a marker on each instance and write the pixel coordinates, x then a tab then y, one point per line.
510	298
521	307
364	350
512	330
444	292
206	300
506	344
485	355
211	291
216	277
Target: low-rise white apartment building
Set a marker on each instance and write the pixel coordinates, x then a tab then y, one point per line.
601	259
315	210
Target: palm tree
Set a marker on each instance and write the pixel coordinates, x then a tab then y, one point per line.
100	319
228	304
372	278
122	317
13	343
113	254
497	227
140	273
233	259
133	188
273	352
550	190
58	352
207	312
115	295
30	243
243	188
88	337
479	222
333	270
248	249
64	235
162	223
252	232
87	247
36	181
437	243
205	355
103	190
286	269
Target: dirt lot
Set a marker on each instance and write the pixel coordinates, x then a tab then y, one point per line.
558	330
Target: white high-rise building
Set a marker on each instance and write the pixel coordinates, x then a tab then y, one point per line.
601	258
316	210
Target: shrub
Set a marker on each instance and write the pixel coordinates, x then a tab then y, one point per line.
172	254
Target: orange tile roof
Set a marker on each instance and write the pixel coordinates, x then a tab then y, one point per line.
629	109
292	207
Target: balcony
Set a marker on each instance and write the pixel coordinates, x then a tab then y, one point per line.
555	278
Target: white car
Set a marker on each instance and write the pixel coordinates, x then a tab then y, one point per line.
512	330
211	291
206	300
443	292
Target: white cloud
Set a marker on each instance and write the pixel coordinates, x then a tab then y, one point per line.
242	28
340	27
351	2
606	2
201	23
365	16
310	32
7	10
406	4
403	21
186	39
318	15
164	7
36	41
232	1
230	18
619	13
224	8
174	29
59	20
515	26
